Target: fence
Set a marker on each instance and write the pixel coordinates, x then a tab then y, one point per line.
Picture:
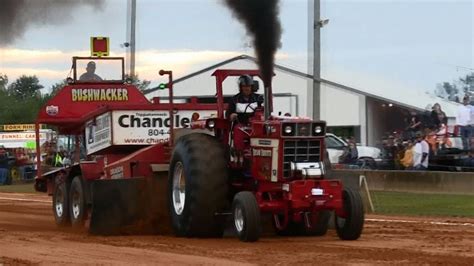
420	193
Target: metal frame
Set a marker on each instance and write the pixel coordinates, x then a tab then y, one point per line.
74	68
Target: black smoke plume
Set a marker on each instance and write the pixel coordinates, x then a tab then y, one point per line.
16	16
261	20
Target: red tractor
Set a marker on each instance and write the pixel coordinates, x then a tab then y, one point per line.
135	160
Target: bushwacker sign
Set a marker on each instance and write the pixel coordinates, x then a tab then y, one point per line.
95	95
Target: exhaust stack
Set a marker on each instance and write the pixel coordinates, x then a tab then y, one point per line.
267	102
261	20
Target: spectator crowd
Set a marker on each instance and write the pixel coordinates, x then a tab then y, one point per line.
428	135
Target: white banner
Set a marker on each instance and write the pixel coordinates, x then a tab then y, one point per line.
149	127
20	136
98	134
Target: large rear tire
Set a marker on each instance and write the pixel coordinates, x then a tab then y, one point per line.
350	227
61	205
246	214
198	186
77	203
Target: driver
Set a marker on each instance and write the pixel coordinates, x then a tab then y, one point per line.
241	108
90	73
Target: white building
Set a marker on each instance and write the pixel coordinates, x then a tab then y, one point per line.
363	113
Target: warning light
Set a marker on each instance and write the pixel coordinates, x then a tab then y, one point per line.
162	86
99	46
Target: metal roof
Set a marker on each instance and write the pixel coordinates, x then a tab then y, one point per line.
302	75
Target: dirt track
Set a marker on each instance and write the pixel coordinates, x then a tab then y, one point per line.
28	236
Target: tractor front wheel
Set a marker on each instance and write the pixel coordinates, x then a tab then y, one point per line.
246	215
349	226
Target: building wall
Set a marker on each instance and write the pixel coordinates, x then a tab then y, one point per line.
339	108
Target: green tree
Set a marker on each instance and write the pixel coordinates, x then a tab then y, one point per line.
468	82
3	82
25	87
456	90
142	85
21	100
55	88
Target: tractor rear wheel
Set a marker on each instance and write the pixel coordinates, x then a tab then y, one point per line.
77	203
246	214
198	186
350	226
61	204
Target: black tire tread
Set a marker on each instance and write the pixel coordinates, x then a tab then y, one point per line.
251	212
205	167
320	228
77	182
66	220
353	205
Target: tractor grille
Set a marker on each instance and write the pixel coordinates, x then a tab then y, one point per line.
300	151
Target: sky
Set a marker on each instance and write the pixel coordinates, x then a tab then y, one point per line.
405	44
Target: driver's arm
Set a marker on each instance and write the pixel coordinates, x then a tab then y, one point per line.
260	100
231	109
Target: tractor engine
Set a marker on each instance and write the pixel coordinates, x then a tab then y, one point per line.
289	149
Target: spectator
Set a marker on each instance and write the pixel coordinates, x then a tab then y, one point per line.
407	160
390	152
468	162
421	153
463	121
438	117
399	153
426	121
62	151
351	155
22	161
414	125
432	141
3	167
90	75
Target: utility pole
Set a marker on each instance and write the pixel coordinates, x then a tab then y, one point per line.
133	20
317	61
